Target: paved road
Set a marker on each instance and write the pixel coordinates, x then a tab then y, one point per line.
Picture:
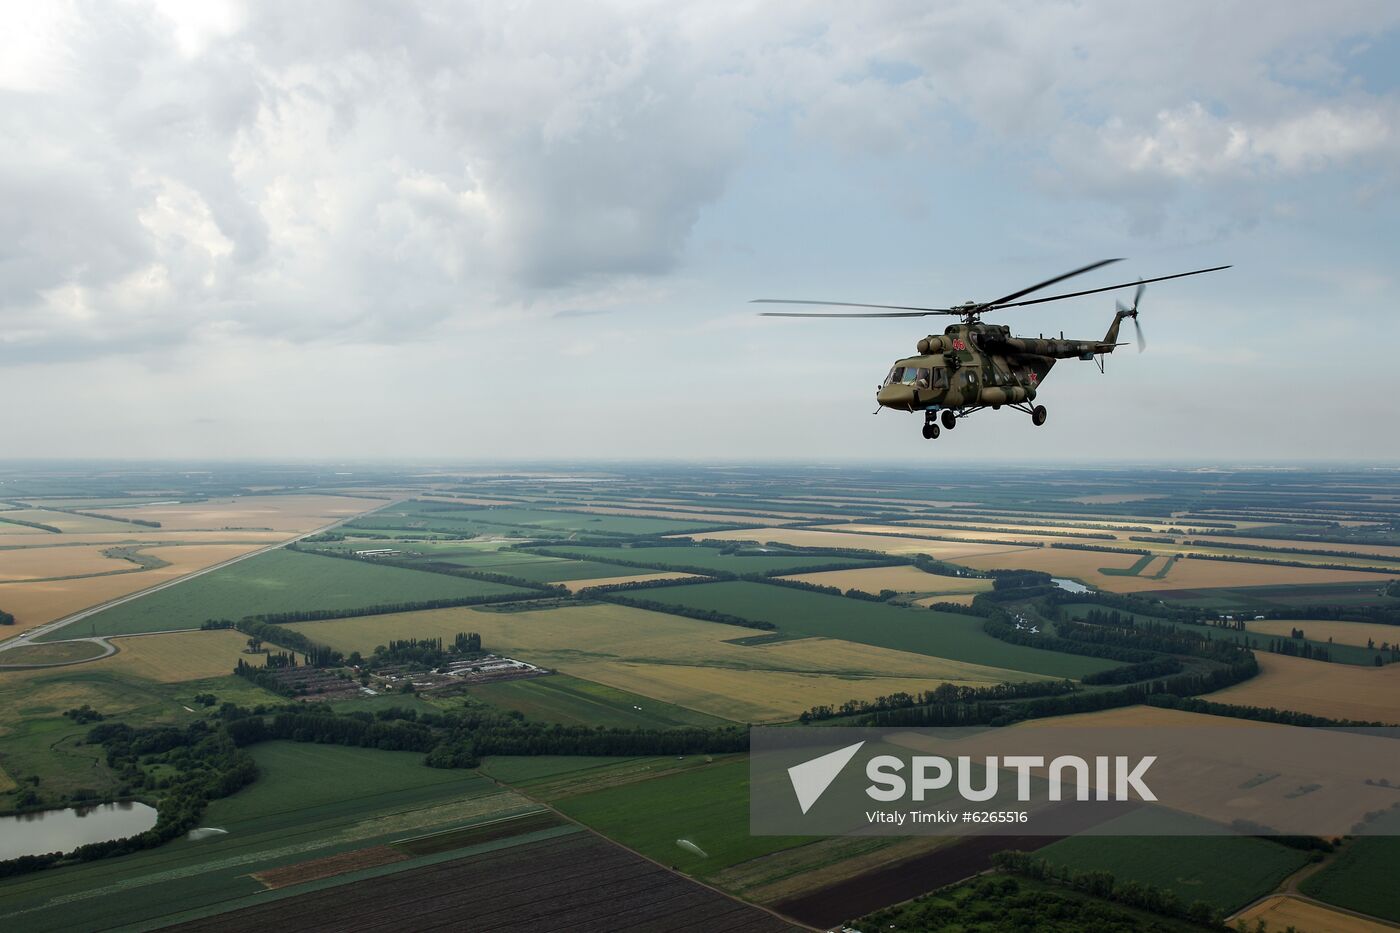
31	636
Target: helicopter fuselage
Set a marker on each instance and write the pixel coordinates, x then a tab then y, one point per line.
976	365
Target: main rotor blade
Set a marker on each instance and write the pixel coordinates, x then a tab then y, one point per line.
1106	288
846	304
1059	278
852	313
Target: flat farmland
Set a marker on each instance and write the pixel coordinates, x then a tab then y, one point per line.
1343	633
433	516
641	576
1289	913
708	806
1083	566
278	581
747	560
902	579
882	544
1362	876
1337	691
687	515
311	802
686	662
34	603
995	536
571	701
178	656
65	522
922	631
575	882
758	696
294	776
1384	550
59	652
263	513
1227	872
562	571
39	563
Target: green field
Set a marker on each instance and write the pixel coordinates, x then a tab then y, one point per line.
571	701
428	516
278	581
1227	872
707	806
940	634
310	801
1362	877
294	776
748	560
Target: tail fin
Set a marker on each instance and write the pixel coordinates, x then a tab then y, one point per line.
1112	336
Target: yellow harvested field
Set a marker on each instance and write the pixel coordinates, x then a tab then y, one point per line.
903	579
8	530
261	513
40	562
666	656
1190	574
1061	562
1289	913
804	537
1185	574
35	603
178	656
1337	691
63	521
138	535
576	585
1343	633
742	695
935	533
960	599
1386	550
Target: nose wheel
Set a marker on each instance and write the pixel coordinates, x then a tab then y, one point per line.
930	430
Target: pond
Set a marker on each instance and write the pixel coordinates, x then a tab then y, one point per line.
1072	586
65	830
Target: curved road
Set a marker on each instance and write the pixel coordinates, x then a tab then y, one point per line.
30	637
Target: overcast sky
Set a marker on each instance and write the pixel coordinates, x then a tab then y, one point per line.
485	230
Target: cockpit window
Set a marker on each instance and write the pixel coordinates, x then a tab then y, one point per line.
918	376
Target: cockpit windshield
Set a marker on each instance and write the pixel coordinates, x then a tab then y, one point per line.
917	376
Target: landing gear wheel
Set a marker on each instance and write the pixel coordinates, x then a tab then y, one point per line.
930	431
950	420
1038	415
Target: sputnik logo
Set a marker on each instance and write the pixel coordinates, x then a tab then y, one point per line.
811	778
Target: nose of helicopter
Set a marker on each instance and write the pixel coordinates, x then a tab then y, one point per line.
896	396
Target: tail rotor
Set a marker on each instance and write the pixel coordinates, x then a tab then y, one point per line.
1133	313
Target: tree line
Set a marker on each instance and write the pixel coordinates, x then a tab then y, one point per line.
202	763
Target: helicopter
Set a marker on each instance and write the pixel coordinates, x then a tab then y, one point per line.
974	366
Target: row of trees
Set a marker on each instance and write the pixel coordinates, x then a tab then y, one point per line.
1103	884
6	618
461	739
943	695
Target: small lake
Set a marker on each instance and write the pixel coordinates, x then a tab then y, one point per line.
64	830
1072	586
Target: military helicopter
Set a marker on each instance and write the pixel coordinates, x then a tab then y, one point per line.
972	366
